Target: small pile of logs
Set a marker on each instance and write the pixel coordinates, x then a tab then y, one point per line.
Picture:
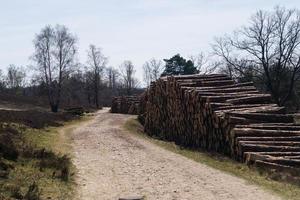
215	113
125	105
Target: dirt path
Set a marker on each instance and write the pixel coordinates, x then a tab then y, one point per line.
112	163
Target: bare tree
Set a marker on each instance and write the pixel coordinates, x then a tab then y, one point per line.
96	64
112	76
147	73
152	70
127	72
88	86
269	47
15	77
2	81
223	49
55	50
157	68
202	63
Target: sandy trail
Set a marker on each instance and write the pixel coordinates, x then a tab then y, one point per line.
112	163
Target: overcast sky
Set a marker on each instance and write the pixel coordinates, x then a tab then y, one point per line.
135	30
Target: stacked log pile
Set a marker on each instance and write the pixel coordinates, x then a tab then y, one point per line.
142	107
125	105
214	113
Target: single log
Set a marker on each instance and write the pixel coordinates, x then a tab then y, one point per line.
259	109
239	132
260	147
276	154
264	117
251	158
261	98
289	138
279	168
227	90
227	86
279	143
271	126
230	106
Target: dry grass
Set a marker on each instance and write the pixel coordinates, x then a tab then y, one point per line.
55	138
35	173
253	176
45	169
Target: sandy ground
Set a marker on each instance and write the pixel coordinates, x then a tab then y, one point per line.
113	163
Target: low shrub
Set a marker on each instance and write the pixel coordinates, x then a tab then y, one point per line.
62	164
35	118
8	139
16	192
75	110
23	161
33	192
47	159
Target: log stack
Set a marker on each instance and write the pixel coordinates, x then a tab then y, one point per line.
215	113
125	105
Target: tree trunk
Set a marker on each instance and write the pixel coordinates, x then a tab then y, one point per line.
96	89
54	108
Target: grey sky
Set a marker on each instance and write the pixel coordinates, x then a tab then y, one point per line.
134	30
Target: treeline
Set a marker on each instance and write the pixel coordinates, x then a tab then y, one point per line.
57	78
81	87
266	51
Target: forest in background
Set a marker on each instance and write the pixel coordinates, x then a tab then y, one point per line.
33	160
265	51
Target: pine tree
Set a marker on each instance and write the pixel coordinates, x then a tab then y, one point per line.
177	65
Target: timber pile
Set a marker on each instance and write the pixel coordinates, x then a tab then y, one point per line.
214	113
125	105
142	107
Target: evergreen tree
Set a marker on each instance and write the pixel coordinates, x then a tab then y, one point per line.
177	65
